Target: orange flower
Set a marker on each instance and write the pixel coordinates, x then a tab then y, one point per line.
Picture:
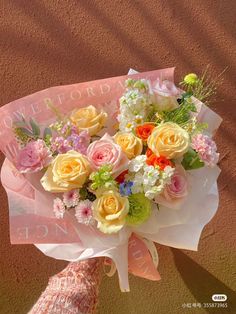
161	161
145	130
149	152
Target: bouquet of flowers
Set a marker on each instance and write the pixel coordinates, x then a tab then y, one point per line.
107	167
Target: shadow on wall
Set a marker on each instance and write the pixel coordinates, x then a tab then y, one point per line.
203	284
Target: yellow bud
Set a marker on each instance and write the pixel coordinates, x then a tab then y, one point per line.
191	79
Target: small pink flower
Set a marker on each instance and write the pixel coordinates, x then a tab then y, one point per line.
106	151
71	198
83	212
34	157
175	192
58	208
206	149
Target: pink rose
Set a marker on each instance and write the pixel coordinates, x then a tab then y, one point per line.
165	95
175	192
106	151
34	157
166	88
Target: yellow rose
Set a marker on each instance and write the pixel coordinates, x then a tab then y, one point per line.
67	171
169	140
131	145
88	119
110	210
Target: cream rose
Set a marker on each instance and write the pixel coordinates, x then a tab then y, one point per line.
169	140
67	171
110	210
89	119
131	145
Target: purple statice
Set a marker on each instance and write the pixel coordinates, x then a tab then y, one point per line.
69	129
125	188
79	142
59	145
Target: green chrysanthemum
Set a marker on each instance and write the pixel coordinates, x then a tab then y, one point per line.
139	209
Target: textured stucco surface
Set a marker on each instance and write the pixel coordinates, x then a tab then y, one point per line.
46	43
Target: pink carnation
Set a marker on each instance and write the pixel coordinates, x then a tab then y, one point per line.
34	157
83	212
106	151
206	149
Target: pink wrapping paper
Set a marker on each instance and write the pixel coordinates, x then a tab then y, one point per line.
31	215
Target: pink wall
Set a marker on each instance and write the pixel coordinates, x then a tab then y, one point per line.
46	43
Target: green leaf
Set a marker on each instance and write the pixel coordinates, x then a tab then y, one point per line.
186	95
19	124
191	160
26	132
47	133
35	127
180	115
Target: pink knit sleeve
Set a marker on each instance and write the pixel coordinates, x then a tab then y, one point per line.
73	290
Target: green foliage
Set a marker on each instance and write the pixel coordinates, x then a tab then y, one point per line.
21	136
194	127
35	128
86	194
191	160
205	86
47	135
141	85
182	114
28	131
151	113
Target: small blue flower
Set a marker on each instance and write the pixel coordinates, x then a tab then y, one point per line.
125	188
